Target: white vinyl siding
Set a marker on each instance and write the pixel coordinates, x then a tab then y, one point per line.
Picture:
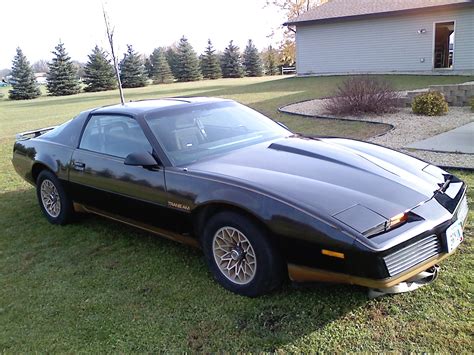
384	44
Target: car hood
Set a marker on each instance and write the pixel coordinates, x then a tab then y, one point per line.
329	175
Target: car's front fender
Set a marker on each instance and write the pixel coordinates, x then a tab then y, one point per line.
301	234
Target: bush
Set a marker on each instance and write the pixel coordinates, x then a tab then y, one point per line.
358	95
472	104
430	104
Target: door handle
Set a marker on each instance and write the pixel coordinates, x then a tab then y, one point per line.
79	166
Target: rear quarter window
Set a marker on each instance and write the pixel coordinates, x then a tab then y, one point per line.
68	133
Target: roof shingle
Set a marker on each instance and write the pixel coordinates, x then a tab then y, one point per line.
336	9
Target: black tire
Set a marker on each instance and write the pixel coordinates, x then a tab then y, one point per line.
269	265
54	215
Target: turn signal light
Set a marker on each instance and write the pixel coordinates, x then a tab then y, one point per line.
397	220
393	222
332	253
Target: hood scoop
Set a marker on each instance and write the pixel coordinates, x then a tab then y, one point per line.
307	153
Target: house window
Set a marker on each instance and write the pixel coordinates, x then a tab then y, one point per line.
444	45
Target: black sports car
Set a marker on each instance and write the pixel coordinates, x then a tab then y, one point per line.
262	203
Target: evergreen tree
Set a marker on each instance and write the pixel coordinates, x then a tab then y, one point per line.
148	67
187	62
24	85
231	62
132	70
171	58
160	71
99	74
252	62
210	66
270	60
62	76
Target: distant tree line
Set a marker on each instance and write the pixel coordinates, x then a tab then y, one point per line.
178	62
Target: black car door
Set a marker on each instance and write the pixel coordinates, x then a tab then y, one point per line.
99	178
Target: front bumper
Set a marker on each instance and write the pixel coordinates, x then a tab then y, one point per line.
298	273
386	268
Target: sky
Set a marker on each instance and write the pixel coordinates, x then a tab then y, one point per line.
36	26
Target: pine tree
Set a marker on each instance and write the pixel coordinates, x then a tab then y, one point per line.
99	72
210	66
252	62
187	62
24	85
231	62
148	67
171	58
132	70
160	71
62	76
270	60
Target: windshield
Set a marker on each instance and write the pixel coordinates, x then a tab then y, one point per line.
190	134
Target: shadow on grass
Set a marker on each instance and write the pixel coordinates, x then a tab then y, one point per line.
284	84
82	282
311	87
52	100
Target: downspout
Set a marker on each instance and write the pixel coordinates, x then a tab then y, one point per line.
292	29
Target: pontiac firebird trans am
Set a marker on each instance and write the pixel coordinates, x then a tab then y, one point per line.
262	203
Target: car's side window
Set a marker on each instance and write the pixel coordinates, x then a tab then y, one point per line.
114	135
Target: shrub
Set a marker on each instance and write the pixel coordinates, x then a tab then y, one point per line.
357	95
472	104
430	104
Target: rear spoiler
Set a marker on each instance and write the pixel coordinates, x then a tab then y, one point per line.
33	134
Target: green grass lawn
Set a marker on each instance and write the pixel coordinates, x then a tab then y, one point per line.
99	286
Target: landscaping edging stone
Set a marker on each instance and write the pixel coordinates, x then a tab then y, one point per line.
327	117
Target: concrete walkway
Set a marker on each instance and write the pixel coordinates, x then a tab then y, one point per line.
459	140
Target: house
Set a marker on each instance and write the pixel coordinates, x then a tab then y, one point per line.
41	78
386	36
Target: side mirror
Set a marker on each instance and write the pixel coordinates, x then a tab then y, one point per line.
144	159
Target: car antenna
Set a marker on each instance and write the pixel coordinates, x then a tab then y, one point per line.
110	37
